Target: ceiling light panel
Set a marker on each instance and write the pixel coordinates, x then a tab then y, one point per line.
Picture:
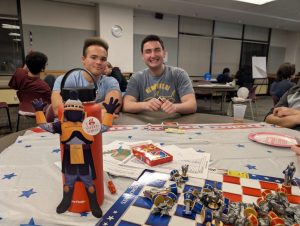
256	2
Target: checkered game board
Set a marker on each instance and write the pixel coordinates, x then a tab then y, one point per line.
133	209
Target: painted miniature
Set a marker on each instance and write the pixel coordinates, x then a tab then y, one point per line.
289	174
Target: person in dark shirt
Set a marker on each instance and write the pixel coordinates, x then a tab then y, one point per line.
225	76
283	81
117	74
244	77
27	81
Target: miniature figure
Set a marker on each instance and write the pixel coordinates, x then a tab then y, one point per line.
289	174
175	176
184	170
77	162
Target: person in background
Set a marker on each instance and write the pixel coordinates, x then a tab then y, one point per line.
286	112
225	76
94	58
159	87
27	81
244	77
117	74
283	81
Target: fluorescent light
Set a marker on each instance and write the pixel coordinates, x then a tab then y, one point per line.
10	26
257	2
17	39
14	34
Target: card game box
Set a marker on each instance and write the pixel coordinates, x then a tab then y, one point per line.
151	154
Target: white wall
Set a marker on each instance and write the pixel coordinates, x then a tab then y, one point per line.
58	30
145	23
120	52
58	14
290	41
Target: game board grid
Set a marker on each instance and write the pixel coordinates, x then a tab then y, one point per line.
243	189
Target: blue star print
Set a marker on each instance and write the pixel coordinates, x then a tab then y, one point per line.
56	150
84	214
30	223
240	145
129	137
200	151
250	166
9	176
28	193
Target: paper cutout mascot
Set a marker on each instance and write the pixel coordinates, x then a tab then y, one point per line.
77	162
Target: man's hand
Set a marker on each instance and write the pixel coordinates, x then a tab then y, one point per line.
111	106
38	105
284	111
152	105
168	106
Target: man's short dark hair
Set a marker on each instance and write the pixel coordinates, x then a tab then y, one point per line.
150	38
226	70
36	62
94	41
285	71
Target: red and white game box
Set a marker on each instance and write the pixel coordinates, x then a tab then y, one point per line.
151	154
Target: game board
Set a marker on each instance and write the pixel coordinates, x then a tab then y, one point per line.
133	209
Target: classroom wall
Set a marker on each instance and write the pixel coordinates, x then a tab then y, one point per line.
145	23
284	47
59	31
120	52
68	24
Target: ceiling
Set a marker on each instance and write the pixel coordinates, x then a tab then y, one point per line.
281	14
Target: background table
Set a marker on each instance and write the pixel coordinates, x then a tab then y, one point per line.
32	159
207	87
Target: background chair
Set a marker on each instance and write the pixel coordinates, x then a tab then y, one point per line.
251	99
3	105
25	107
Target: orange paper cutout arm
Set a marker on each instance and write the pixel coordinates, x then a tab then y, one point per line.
108	119
40	117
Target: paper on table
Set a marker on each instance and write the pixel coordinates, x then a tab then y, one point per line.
122	171
198	162
119	151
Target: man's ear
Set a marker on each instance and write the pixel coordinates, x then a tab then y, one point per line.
83	58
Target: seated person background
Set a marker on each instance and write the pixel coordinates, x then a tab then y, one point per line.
28	83
171	85
225	76
244	77
282	83
94	58
117	74
286	111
